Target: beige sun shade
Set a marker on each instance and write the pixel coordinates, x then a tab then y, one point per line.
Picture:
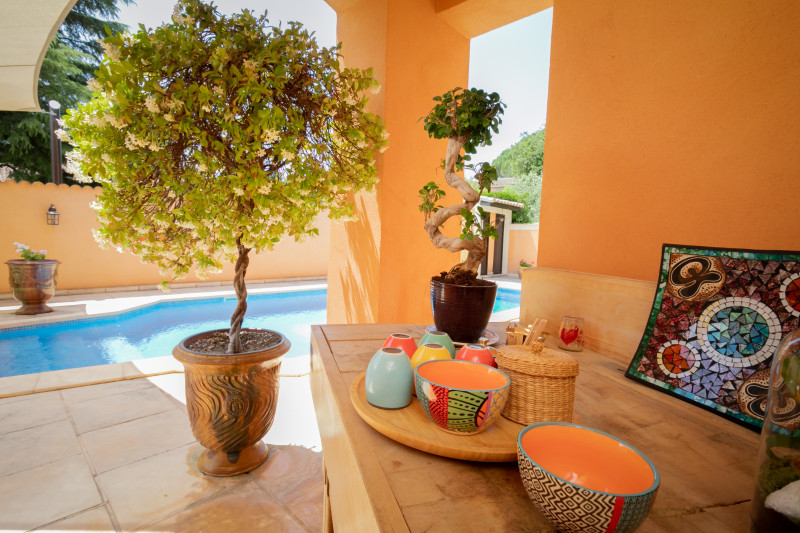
26	29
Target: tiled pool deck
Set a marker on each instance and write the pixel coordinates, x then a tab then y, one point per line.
109	448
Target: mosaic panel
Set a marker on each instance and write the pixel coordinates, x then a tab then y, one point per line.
717	319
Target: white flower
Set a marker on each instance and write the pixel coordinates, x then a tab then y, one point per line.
289	156
375	89
151	105
169	117
201	167
270	136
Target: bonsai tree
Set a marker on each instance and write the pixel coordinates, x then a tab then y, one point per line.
466	118
216	136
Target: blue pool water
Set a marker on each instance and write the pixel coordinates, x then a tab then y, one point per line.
154	330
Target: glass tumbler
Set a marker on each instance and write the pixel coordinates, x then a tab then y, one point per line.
570	335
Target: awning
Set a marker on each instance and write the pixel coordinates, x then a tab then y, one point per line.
26	29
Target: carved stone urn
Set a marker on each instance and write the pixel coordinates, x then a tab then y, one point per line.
32	283
231	400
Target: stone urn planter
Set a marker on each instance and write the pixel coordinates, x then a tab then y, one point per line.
33	283
231	400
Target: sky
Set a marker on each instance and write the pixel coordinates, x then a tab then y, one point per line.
513	60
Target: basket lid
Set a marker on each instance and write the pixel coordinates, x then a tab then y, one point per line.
550	363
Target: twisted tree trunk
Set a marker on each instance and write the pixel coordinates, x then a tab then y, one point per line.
234	334
476	248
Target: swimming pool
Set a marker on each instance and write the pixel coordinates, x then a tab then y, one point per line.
154	330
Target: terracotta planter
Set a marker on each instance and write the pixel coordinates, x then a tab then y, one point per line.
462	311
33	283
231	400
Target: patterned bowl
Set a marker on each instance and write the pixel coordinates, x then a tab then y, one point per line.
461	397
585	480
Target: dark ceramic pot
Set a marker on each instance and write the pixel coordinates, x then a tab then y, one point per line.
33	283
231	400
462	311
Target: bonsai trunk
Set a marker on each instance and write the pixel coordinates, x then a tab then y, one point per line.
476	247
234	334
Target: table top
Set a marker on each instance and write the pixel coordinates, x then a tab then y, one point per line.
706	463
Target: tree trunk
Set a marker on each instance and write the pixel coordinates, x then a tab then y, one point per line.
476	248
235	343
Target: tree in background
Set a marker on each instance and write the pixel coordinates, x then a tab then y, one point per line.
523	161
70	61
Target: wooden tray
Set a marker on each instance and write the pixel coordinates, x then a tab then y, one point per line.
410	426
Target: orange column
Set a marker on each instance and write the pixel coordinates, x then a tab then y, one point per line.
381	264
669	122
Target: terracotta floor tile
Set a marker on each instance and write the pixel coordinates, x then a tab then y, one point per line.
245	509
290	472
36	446
155	488
96	520
119	408
41	495
33	410
143	438
308	507
82	394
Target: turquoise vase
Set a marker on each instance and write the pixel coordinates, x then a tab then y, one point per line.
439	337
389	379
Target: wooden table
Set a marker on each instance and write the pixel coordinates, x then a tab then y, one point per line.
373	483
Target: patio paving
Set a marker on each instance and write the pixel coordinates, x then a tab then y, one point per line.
109	448
120	456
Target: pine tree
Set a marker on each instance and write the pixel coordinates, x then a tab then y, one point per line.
70	61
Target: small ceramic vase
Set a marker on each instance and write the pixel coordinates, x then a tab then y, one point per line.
476	354
439	337
429	352
389	379
402	341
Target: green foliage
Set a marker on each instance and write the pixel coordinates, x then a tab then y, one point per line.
526	156
528	190
470	113
213	131
71	58
29	254
472	225
790	372
429	195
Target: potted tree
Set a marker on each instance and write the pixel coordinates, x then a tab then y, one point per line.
32	280
462	303
217	136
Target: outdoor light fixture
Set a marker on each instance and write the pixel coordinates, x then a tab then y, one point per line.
52	216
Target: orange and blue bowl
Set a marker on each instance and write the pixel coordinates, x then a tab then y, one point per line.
585	480
461	397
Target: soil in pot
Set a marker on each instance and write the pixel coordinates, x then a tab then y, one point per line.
462	277
217	342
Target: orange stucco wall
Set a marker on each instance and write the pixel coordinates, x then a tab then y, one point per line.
85	265
381	264
669	122
523	243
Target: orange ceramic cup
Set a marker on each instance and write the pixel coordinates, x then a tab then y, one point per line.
402	341
565	466
476	354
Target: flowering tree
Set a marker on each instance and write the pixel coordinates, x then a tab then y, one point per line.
215	136
466	118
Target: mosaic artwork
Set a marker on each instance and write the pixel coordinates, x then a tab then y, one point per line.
717	319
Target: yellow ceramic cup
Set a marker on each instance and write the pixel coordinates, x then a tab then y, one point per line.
429	352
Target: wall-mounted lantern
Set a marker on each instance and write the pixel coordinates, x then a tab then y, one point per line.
52	216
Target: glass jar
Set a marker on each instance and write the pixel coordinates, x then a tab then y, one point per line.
776	503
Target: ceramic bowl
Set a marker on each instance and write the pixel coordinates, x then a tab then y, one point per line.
402	341
476	354
461	397
585	480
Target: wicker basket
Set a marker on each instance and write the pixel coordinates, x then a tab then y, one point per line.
542	383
